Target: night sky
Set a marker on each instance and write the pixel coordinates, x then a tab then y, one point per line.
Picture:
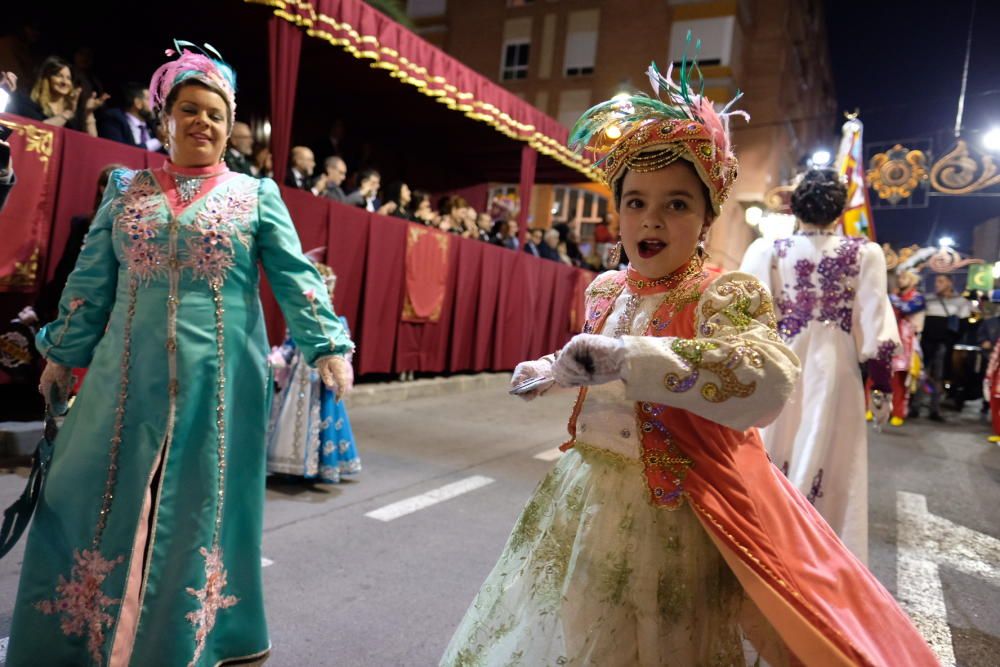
901	64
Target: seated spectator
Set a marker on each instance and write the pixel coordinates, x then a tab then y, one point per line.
452	214
133	123
563	256
263	162
484	223
550	248
366	196
302	166
422	210
8	82
507	234
240	150
332	178
398	193
533	243
54	100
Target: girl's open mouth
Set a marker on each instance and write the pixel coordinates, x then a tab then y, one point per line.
651	247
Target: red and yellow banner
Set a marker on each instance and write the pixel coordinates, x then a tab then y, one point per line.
426	274
857	218
26	218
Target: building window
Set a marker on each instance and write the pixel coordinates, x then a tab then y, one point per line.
717	35
571	205
515	60
581	42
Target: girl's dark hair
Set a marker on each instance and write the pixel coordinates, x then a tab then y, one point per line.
819	197
616	188
393	192
417	196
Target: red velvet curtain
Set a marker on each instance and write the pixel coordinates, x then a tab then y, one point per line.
284	47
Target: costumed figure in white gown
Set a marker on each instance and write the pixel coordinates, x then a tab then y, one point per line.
664	535
834	312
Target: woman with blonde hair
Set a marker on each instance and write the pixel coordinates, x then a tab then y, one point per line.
55	101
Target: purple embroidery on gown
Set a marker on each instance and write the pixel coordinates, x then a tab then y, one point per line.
837	278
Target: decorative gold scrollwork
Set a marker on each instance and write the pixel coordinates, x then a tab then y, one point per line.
896	173
778	199
958	173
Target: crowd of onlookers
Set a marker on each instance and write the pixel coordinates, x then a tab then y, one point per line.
73	97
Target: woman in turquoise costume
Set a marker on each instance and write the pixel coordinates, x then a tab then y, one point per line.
145	547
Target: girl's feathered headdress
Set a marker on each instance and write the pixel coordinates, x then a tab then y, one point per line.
203	64
646	133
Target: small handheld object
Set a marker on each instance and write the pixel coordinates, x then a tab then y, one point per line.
532	384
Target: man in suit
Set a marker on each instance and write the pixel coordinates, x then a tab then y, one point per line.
329	182
366	196
240	150
534	243
131	124
303	163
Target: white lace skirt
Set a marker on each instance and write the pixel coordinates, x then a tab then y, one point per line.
594	575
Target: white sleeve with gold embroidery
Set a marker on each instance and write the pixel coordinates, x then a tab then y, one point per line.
735	371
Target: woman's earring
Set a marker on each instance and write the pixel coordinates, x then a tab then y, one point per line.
615	256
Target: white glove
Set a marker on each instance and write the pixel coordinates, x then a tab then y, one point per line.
881	408
337	374
589	359
528	370
55	383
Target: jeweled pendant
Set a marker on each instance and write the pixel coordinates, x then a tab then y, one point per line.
188	188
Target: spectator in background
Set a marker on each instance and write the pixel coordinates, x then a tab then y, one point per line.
239	152
331	181
54	100
451	209
366	196
534	242
507	234
133	123
302	166
602	233
8	82
422	209
398	193
946	312
484	223
263	162
550	247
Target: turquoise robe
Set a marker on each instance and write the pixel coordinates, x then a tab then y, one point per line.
163	309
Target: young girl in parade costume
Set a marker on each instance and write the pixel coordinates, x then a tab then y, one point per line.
834	313
310	436
664	531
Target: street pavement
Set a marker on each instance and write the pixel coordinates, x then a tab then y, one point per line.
445	477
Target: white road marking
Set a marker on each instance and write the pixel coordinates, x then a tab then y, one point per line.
3	650
424	500
926	541
549	454
266	562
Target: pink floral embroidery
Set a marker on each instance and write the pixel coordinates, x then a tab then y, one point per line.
76	303
211	599
223	218
310	294
81	602
139	219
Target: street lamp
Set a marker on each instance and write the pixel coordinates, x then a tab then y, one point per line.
820	158
991	140
946	242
